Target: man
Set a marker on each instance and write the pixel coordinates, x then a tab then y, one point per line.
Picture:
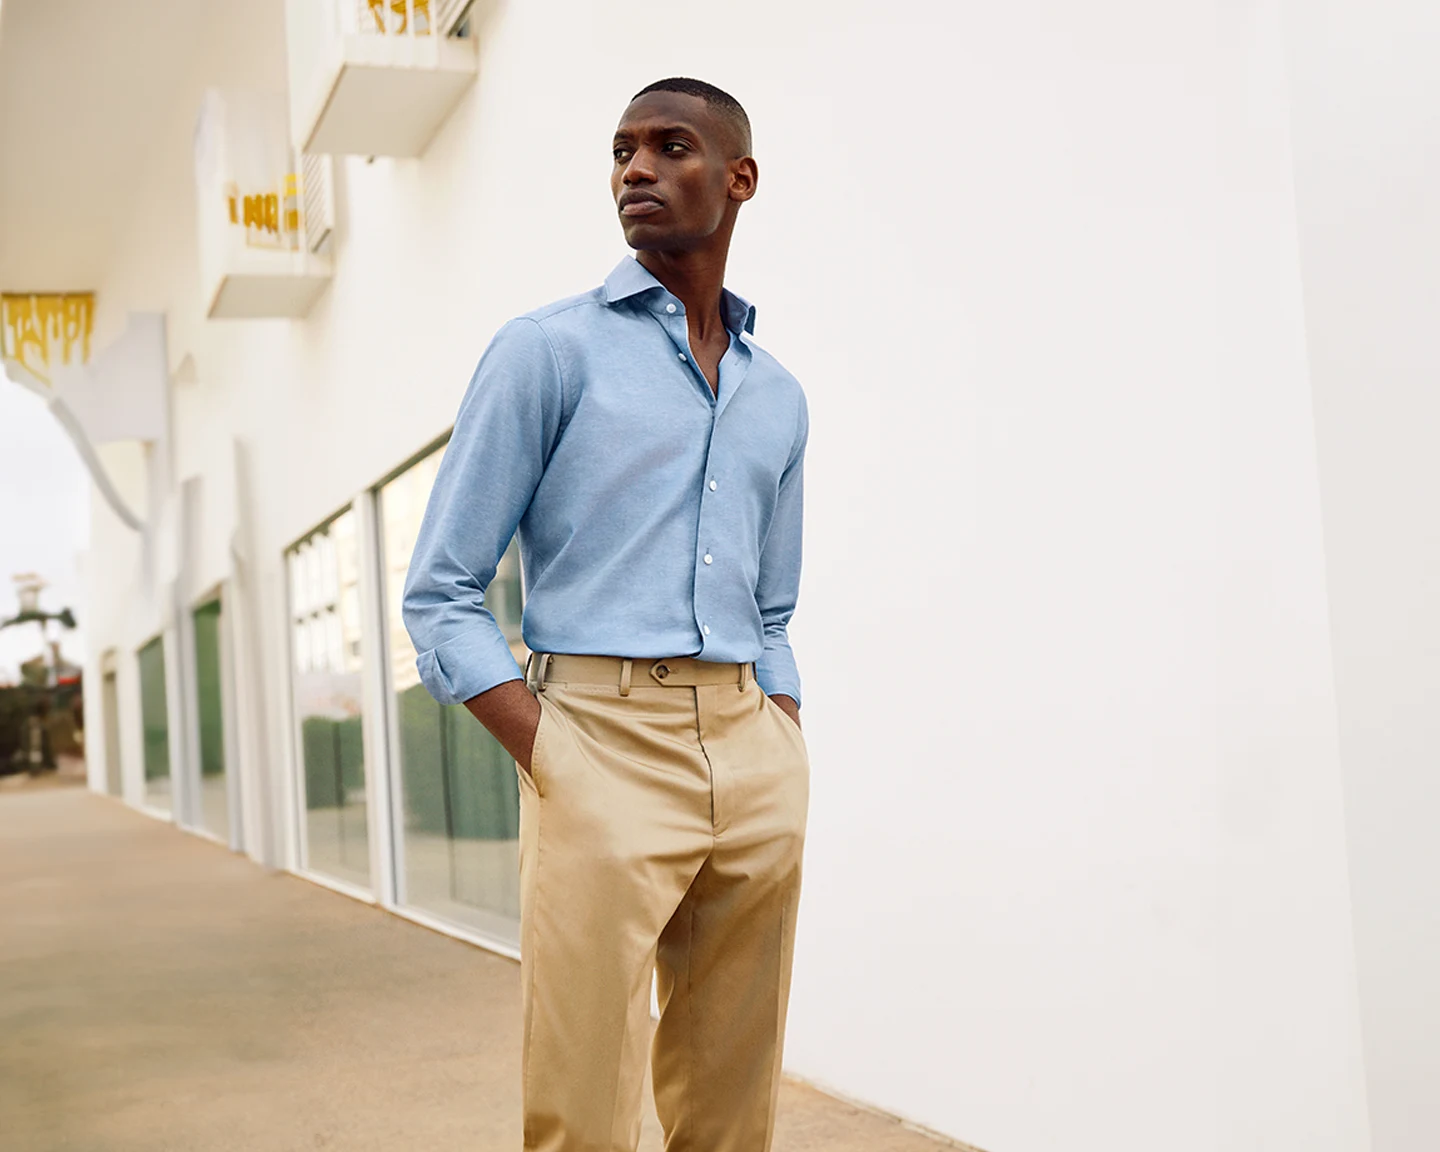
650	455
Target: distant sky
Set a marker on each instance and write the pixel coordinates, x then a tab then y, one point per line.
44	522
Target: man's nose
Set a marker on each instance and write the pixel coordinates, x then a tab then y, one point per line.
640	170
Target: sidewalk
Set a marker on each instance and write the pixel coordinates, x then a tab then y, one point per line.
161	994
69	773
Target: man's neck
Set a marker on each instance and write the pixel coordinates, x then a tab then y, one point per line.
697	278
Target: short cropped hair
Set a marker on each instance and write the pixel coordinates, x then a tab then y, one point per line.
720	101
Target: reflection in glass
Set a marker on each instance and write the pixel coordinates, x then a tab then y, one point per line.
214	803
460	847
155	722
324	576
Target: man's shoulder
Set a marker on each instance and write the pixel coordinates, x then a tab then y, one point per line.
771	368
564	326
561	315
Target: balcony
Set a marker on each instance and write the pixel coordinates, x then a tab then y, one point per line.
264	219
375	77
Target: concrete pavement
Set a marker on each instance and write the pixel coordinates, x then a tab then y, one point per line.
158	993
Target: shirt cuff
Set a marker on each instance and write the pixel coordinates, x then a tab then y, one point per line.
467	665
776	673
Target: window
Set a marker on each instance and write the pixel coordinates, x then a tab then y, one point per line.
214	802
155	724
459	846
326	649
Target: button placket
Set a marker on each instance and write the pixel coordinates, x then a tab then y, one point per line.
707	557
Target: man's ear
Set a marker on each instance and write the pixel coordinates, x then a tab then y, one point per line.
744	178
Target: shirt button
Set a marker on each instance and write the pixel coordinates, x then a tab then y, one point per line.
713	485
705	628
669	307
709	559
682	355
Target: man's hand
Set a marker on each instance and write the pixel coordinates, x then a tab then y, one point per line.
789	707
512	716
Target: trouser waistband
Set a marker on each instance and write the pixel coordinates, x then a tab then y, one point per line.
543	668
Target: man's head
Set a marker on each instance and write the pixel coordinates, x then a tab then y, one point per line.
682	166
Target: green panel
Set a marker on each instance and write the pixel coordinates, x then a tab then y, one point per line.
460	792
351	750
207	676
354	842
155	716
421	762
320	747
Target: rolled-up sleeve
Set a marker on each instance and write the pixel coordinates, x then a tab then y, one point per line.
504	432
778	587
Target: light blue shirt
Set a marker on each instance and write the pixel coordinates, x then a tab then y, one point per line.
655	518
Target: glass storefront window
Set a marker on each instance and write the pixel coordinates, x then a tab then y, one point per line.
326	649
214	802
155	723
459	845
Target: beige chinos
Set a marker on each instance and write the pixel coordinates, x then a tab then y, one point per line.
661	830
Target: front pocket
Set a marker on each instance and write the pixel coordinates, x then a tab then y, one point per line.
796	732
537	750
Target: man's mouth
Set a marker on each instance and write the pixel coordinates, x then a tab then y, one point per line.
639	204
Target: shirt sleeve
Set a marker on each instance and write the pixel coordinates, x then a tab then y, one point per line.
506	428
778	587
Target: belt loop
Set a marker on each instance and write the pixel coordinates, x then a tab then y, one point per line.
744	676
537	664
626	667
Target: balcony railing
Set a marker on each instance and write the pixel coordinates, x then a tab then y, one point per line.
394	17
375	77
415	17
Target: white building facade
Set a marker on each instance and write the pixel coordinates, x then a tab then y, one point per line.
1118	622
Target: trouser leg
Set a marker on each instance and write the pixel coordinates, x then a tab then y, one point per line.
614	825
724	958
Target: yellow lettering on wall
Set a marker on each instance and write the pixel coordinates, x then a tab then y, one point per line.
44	330
269	222
397	20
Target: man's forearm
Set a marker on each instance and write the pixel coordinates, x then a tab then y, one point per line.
511	715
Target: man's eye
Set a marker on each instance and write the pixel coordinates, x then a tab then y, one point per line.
677	145
621	153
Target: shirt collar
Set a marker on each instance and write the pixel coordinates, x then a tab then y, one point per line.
630	278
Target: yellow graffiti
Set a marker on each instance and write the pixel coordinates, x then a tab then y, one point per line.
270	219
263	211
45	330
397	20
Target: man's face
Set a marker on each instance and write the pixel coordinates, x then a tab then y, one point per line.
674	178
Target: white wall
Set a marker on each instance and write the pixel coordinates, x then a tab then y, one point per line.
1367	171
1010	932
1291	1070
117	594
1077	870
